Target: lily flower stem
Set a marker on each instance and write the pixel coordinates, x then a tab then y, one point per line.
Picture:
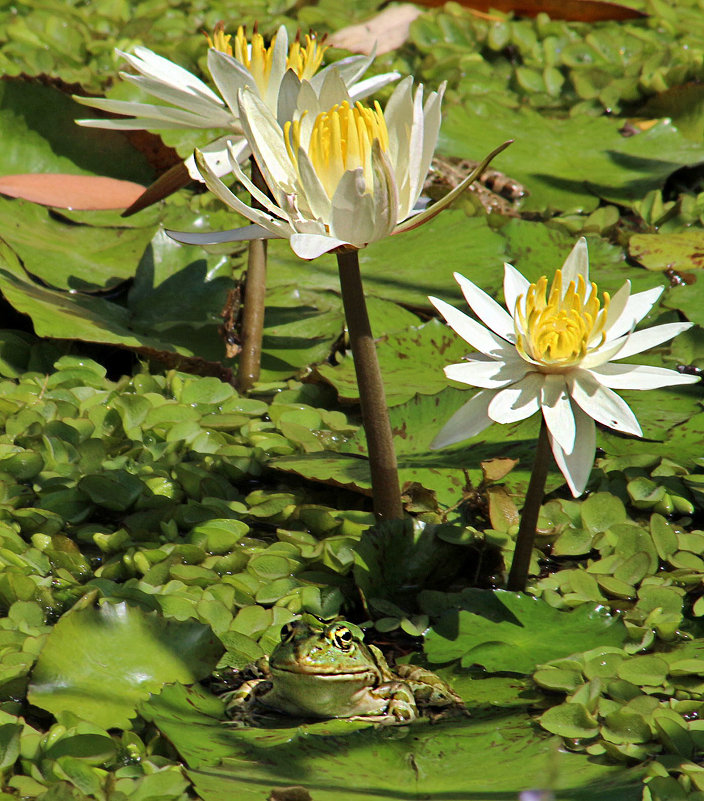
529	519
254	302
375	415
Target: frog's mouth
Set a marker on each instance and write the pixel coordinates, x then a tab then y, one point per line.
322	674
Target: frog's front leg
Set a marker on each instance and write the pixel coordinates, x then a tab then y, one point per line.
429	690
240	704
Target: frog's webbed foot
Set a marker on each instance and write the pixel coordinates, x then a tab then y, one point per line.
430	691
240	704
401	706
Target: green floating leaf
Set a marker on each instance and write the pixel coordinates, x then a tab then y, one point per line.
100	662
506	631
681	252
582	159
570	720
331	759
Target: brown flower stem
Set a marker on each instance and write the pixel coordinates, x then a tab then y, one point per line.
386	492
529	518
250	358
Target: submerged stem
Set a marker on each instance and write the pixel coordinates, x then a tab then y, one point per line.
386	492
250	357
529	518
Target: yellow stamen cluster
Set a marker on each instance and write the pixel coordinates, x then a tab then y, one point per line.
558	330
304	60
220	40
341	140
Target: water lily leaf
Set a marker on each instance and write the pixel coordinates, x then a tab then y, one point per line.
581	159
67	256
100	662
432	345
39	134
681	251
408	267
506	631
431	762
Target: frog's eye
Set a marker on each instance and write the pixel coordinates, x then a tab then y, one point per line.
343	638
287	632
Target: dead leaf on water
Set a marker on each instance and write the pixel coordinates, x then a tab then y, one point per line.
79	192
387	31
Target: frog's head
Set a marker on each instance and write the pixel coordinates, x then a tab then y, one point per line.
335	649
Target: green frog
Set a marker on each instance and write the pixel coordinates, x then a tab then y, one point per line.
327	671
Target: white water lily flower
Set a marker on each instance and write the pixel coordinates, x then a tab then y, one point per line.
340	176
555	352
275	73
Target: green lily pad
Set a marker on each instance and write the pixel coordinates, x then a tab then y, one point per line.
681	251
568	164
332	759
100	662
506	631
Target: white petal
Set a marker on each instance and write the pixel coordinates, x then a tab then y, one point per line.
267	142
332	91
639	376
310	246
362	89
515	286
279	58
180	117
167	72
350	69
576	264
557	411
230	75
411	181
576	467
633	311
468	421
244	234
601	403
217	156
288	97
352	218
316	197
177	96
263	199
431	128
518	401
480	338
218	188
487	309
385	194
639	341
488	374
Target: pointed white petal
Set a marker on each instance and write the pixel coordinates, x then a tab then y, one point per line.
488	374
266	139
352	214
218	188
576	264
162	70
515	286
279	58
639	376
431	128
217	156
639	341
350	69
385	194
362	89
468	421
310	246
410	180
634	310
557	411
263	199
436	208
487	309
480	338
288	97
315	194
230	75
576	467
601	403
244	234
181	98
184	119
518	401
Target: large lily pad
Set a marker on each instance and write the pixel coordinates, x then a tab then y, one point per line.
100	662
341	758
568	164
506	631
